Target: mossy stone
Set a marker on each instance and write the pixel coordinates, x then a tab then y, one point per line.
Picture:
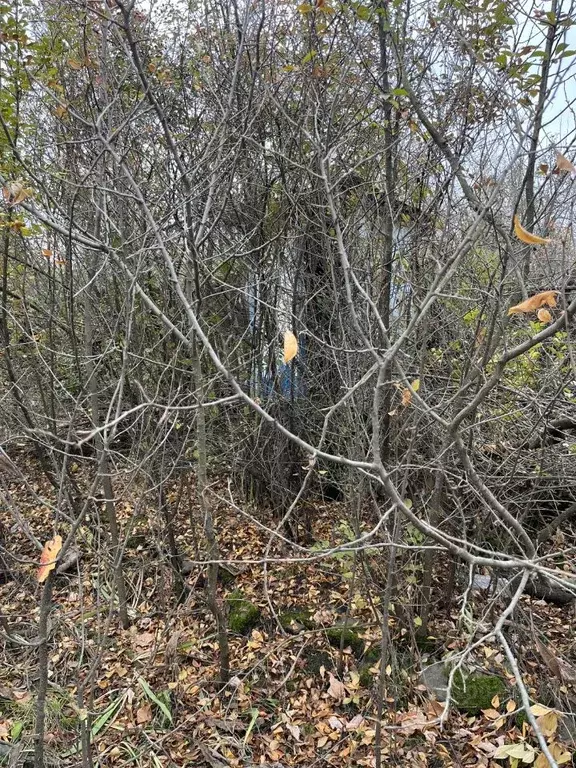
295	618
476	691
351	638
243	615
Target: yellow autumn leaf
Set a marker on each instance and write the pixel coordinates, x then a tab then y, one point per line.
558	752
528	237
495	701
544	316
290	346
533	304
61	111
563	164
539	709
548	723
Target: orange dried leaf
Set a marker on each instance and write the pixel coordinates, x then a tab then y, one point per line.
544	316
527	237
407	393
290	346
563	164
48	558
15	192
533	304
46	252
144	714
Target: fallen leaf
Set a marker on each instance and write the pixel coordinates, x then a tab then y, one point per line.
336	688
144	714
546	298
413	721
290	346
495	701
558	751
548	723
144	640
519	751
48	558
294	731
22	697
527	237
335	723
544	315
212	757
539	709
355	723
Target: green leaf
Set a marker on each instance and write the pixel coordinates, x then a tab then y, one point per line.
363	12
106	716
254	712
152	696
309	56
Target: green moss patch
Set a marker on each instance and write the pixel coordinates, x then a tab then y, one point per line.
341	637
476	691
243	615
295	619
